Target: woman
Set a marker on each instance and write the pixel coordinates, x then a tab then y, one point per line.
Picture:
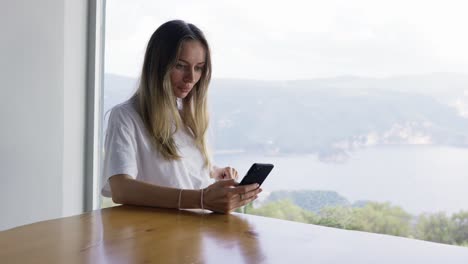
155	148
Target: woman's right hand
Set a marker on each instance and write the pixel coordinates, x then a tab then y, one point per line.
225	196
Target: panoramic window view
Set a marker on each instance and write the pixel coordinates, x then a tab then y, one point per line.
361	106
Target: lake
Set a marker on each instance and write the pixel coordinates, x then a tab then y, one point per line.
417	178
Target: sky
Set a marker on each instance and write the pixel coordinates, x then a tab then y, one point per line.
290	40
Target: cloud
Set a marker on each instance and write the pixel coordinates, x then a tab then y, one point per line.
301	39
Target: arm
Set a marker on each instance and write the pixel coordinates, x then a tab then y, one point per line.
126	190
222	196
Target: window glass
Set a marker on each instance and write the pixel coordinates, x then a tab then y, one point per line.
362	106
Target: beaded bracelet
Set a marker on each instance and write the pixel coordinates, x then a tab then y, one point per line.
201	199
180	199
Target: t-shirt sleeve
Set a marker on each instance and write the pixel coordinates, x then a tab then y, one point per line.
120	149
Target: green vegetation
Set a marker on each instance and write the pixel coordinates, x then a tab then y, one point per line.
381	218
435	227
284	209
368	216
312	201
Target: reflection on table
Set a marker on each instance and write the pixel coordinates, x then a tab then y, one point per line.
127	234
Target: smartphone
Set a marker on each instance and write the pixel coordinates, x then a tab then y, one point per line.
257	174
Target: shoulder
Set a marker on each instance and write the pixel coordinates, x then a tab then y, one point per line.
124	114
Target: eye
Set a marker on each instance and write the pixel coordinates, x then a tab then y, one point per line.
179	66
199	68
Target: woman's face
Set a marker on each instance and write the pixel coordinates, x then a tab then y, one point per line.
189	68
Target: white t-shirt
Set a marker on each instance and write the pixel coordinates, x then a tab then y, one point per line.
128	150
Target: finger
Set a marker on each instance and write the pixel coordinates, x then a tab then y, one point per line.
247	201
226	183
245	188
249	195
239	203
239	199
222	173
226	173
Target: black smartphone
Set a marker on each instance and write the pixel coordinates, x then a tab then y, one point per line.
257	173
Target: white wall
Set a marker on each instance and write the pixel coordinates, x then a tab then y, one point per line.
75	37
42	110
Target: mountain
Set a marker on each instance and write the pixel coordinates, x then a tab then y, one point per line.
332	116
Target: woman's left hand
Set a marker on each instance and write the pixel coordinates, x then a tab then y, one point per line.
226	173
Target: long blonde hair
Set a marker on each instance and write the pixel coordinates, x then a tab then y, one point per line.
156	101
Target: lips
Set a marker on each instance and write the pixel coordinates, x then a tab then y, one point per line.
185	89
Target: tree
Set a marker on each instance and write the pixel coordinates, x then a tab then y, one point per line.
310	200
460	227
283	209
337	216
381	218
435	227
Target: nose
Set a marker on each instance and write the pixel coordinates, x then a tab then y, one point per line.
189	76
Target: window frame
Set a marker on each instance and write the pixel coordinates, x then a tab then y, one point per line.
94	102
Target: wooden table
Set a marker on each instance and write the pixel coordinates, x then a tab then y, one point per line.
126	234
